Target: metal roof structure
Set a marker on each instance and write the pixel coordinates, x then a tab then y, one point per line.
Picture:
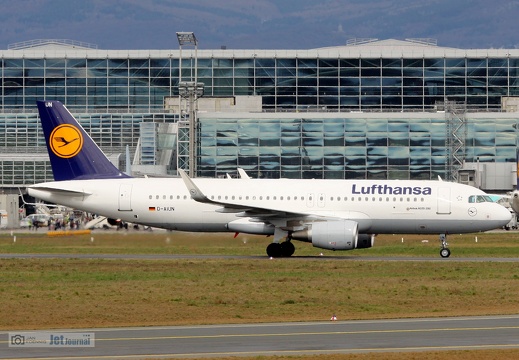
390	48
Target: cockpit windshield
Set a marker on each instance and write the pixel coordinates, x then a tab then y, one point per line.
479	198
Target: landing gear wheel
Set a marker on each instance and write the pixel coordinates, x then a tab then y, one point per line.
274	250
287	249
445	253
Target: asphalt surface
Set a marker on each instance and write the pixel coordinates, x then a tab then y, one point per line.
426	334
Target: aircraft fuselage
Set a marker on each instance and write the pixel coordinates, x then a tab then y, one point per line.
379	207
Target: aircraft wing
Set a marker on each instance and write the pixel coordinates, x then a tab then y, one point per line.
269	215
229	207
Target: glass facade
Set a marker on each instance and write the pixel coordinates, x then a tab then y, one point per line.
112	92
23	153
353	146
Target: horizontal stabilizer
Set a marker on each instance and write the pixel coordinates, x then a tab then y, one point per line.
59	191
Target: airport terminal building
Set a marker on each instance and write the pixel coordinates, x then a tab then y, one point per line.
369	109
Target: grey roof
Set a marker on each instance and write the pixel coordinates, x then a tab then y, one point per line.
391	48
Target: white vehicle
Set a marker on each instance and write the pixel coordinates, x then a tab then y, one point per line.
35	220
331	214
3	219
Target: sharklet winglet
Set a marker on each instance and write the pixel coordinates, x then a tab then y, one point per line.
243	174
194	191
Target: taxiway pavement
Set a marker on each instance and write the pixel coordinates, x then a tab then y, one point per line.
424	334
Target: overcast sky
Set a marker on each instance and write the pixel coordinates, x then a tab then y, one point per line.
260	24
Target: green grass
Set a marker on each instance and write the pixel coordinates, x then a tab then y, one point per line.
494	244
96	292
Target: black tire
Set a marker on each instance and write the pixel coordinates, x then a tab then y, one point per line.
445	253
287	249
274	250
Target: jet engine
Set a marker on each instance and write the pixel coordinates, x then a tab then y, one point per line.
330	235
117	222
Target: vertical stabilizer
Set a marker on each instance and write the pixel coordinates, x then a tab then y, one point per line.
72	152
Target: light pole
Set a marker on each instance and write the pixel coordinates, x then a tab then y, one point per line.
190	90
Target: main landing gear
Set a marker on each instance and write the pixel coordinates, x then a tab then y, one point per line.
284	249
444	251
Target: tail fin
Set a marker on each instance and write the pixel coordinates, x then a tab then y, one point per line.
73	154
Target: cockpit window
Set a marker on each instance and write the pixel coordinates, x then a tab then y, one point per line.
479	198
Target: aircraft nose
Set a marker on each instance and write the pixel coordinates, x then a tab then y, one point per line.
503	215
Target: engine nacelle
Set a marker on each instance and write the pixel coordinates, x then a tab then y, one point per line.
515	201
249	227
331	235
365	241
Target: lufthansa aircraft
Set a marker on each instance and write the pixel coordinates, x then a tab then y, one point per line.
331	214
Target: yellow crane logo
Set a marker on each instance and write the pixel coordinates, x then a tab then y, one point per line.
66	141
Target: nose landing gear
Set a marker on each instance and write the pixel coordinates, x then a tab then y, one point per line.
444	251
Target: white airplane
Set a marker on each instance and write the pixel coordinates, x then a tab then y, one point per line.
514	203
331	214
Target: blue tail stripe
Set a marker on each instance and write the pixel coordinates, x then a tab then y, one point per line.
72	152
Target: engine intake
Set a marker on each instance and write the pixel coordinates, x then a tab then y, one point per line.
365	241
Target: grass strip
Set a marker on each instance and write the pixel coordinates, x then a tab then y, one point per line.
490	244
76	293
